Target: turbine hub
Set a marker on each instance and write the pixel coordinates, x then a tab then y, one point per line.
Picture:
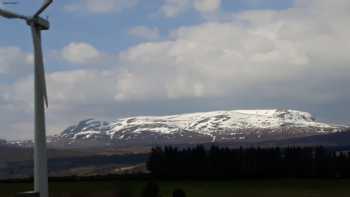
43	24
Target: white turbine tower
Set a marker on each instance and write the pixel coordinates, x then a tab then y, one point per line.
37	24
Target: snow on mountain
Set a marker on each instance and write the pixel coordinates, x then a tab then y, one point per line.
249	125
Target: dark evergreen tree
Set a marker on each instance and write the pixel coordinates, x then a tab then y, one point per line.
293	162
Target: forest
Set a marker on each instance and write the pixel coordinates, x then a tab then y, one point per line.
217	162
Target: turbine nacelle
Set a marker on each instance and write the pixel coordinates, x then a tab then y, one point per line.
40	22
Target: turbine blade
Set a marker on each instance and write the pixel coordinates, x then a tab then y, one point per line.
43	7
11	15
39	63
43	84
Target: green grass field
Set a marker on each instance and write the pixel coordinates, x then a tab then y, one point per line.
238	188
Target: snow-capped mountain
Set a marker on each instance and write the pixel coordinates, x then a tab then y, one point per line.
236	125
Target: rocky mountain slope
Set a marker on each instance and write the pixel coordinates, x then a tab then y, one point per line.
217	126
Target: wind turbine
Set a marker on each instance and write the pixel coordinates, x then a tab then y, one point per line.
37	24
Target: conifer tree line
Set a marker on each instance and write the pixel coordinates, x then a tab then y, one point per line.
290	162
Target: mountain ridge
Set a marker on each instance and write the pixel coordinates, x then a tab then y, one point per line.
200	127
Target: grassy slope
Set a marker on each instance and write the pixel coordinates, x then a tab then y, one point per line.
244	188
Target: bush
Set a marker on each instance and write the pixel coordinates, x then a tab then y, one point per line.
179	193
151	190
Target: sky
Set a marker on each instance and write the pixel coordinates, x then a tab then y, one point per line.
107	59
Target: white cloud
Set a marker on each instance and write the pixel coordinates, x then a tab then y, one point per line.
259	49
173	8
14	61
196	63
148	33
207	5
100	6
81	87
73	95
81	53
298	55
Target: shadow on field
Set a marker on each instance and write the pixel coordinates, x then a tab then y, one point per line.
151	189
85	194
122	190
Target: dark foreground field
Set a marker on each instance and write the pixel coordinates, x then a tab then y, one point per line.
238	188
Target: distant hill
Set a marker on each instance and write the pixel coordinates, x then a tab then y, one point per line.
238	126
